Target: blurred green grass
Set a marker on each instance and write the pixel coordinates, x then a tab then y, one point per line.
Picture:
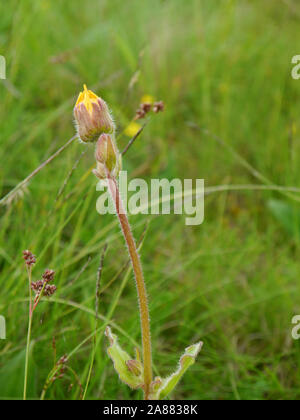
232	282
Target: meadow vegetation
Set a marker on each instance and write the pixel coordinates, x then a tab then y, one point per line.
223	70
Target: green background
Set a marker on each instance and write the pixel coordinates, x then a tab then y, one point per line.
223	68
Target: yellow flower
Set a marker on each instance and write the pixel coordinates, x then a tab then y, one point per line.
92	116
87	97
147	99
132	129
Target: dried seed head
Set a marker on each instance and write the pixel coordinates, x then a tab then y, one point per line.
143	110
63	360
92	116
61	368
29	257
158	107
37	286
146	106
140	113
43	284
107	156
48	275
49	290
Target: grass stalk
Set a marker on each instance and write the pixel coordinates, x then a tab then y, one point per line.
29	269
95	341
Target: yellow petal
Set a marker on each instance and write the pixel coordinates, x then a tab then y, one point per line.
87	97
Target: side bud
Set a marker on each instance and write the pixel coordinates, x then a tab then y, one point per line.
135	367
107	156
92	116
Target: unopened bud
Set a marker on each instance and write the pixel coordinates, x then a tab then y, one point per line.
134	366
92	116
107	156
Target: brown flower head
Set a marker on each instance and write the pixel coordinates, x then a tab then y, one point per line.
158	107
48	275
43	286
143	109
29	257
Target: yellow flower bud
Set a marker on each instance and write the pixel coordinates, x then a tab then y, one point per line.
107	156
92	116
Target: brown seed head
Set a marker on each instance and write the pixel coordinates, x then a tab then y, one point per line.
146	106
143	109
48	275
158	107
140	113
49	290
29	257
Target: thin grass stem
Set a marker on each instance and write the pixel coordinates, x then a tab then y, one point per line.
28	335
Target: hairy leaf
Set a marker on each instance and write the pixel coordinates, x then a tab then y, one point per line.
130	371
162	387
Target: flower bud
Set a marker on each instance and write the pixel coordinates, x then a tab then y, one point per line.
135	367
107	156
92	116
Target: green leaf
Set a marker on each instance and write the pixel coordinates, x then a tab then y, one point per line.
129	371
162	387
287	214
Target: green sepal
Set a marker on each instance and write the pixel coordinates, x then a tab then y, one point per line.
130	371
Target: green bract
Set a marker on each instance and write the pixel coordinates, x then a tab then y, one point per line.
130	371
162	387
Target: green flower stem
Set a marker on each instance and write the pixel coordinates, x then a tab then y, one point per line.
140	282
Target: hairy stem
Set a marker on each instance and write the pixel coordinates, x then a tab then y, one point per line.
140	282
